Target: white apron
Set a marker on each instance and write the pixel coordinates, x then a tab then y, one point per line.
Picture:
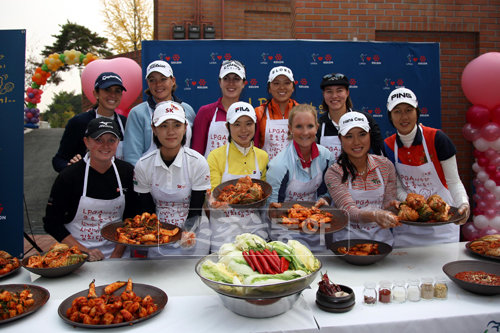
331	142
152	145
366	199
119	150
172	206
226	224
423	179
297	190
276	135
217	134
93	214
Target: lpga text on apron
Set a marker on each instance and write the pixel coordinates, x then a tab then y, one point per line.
152	145
93	214
332	142
217	134
276	135
371	230
172	206
297	190
423	179
227	223
119	150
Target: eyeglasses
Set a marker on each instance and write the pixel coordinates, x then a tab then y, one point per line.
334	77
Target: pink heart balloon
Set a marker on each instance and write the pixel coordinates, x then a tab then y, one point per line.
129	71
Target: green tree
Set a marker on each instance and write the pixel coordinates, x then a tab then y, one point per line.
75	37
128	23
63	107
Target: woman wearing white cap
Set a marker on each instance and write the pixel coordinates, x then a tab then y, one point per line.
172	179
161	87
108	90
296	173
237	158
210	121
91	193
427	157
362	184
272	117
336	102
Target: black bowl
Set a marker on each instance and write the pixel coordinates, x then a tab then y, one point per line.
266	187
455	267
383	248
53	272
336	304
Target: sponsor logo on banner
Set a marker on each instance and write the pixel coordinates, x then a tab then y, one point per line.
412	59
369	59
253	84
2	217
376	112
353	83
390	84
317	58
424	112
303	83
174	59
214	58
264	58
192	83
278	59
201	84
187	83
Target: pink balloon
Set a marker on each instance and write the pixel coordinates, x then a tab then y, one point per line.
481	144
490	199
495	162
490	153
482	205
497	178
483	161
476	182
477	116
129	71
481	79
490	213
495	115
470	132
469	231
476	197
478	153
488	231
481	190
491	170
490	131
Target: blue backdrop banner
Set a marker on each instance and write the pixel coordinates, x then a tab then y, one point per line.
12	54
374	69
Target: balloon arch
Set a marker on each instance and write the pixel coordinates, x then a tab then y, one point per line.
480	84
128	69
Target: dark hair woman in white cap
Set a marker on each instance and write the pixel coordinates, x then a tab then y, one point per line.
272	117
336	102
362	184
108	89
210	121
161	87
236	159
91	193
172	181
425	160
296	173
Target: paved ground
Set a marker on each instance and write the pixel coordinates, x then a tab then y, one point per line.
40	145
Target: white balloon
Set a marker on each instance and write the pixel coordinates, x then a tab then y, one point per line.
490	185
496	192
482	176
481	222
476	167
481	144
495	223
496	144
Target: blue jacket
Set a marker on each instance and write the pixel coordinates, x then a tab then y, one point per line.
138	132
284	165
72	139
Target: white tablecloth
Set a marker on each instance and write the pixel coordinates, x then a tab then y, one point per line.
194	307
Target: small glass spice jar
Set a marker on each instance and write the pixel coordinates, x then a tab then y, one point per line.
370	293
413	290
426	288
399	291
384	292
440	288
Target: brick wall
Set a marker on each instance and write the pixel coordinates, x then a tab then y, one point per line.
464	29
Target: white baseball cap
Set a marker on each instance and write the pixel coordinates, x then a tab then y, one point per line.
239	109
161	67
280	70
232	66
401	95
168	110
351	120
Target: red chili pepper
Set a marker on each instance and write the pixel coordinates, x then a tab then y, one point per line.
265	265
271	260
284	264
277	259
253	256
248	260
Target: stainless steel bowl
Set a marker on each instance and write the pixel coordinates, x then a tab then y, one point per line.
260	308
249	292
